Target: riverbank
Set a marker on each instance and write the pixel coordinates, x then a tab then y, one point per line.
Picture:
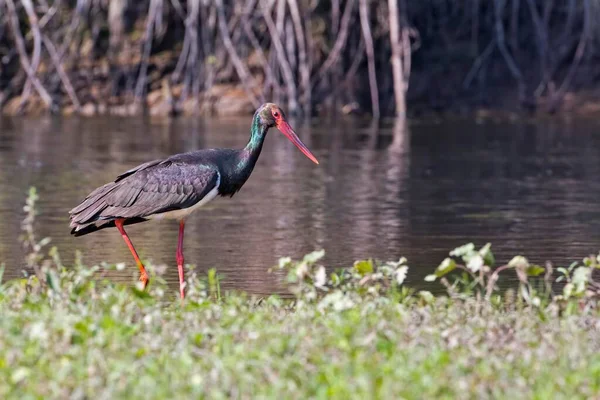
78	338
354	332
231	100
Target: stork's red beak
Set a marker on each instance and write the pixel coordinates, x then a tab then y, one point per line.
287	130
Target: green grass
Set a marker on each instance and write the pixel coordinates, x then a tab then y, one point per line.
354	333
358	334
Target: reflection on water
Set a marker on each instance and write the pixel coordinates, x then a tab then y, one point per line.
382	190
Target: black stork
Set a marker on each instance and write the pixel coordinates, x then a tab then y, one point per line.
176	186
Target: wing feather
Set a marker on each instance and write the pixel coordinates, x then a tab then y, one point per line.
152	188
140	167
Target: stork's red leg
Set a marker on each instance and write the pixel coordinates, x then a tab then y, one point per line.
143	274
179	257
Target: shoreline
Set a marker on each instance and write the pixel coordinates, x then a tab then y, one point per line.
232	100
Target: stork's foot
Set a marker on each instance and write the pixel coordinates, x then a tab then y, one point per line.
179	257
182	290
143	274
144	279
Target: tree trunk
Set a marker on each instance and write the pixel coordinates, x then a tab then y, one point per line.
116	27
400	51
240	67
303	66
284	64
366	30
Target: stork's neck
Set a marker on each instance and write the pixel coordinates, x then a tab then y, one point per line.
246	157
249	154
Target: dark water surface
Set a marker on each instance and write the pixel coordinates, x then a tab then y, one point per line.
381	191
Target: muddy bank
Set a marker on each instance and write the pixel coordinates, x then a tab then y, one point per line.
232	100
222	99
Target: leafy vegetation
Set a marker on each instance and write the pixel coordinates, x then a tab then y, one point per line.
353	333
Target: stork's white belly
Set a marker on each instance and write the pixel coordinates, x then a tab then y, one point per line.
184	213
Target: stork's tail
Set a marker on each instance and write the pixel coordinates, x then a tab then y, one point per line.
81	230
86	217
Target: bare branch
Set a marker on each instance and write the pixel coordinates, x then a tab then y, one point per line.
285	66
240	68
478	63
61	72
366	30
340	42
155	9
585	35
510	62
262	59
23	58
302	59
400	53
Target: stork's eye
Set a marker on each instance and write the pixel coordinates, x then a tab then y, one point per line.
276	114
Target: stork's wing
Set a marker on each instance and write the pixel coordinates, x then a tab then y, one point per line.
147	165
151	188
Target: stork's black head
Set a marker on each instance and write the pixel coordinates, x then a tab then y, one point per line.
271	115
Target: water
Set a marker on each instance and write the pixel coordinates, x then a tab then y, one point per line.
381	191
